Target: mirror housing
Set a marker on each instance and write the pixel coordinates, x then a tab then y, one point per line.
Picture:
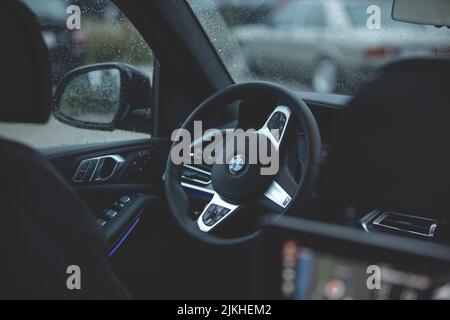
104	96
430	12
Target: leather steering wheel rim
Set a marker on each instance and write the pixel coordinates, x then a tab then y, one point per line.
177	199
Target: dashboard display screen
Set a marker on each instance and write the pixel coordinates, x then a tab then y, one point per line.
312	261
310	275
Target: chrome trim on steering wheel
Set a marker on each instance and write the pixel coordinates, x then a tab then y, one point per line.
277	194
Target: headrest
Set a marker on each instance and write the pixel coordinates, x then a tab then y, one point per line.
391	148
26	86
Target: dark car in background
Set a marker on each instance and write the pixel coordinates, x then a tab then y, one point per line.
66	47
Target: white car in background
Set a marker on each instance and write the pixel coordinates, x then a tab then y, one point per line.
328	45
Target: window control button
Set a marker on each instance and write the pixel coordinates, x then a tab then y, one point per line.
125	199
101	222
110	214
118	205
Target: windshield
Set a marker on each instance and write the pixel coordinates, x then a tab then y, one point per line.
328	46
357	14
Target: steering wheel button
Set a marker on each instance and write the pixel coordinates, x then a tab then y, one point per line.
206	216
224	212
211	208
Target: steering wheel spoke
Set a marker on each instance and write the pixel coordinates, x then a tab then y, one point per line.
275	127
217	211
277	194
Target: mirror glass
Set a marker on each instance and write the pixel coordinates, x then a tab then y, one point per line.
92	97
432	12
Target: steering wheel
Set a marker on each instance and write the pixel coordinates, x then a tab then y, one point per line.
239	186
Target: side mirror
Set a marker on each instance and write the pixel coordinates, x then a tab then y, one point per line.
104	96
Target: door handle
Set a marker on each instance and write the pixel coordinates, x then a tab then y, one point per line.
99	169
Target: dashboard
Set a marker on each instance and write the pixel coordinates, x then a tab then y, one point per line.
196	180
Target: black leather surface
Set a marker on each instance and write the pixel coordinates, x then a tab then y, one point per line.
45	227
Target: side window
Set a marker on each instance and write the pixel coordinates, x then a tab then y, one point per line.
80	33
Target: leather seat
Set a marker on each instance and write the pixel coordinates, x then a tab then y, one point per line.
45	227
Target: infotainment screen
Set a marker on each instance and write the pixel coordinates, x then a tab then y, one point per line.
303	260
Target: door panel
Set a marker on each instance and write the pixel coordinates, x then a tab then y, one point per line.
120	182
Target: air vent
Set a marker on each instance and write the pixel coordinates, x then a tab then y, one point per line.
196	175
406	223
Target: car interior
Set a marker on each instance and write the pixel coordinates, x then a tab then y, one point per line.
362	179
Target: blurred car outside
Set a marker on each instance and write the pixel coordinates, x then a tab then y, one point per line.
328	45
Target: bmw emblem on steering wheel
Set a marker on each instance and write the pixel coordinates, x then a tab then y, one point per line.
236	164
